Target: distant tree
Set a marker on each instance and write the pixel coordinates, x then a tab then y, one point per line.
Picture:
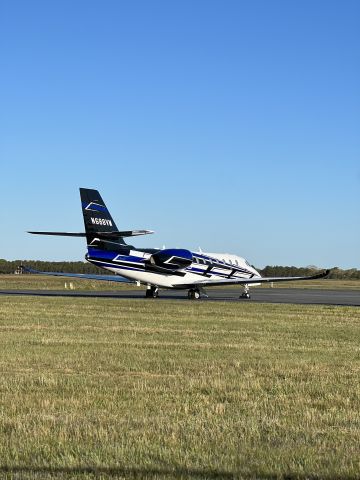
8	267
336	272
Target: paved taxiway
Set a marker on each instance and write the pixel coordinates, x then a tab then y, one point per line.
265	295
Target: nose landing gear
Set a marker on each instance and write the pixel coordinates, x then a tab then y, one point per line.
246	292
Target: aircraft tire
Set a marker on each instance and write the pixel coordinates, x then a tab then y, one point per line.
193	294
152	293
245	295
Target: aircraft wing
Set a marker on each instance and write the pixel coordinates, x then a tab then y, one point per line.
86	276
249	281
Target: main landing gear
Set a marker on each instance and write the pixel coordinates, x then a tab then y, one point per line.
152	292
246	293
193	294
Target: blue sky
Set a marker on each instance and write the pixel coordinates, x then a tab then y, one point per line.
229	125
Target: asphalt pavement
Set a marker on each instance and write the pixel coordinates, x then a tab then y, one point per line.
261	295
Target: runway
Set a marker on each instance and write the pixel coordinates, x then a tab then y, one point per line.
260	295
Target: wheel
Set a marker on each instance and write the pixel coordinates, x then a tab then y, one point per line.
245	295
152	292
193	294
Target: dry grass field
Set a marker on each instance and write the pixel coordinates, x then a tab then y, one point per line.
101	388
45	282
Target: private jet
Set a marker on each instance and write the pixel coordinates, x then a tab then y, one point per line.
167	268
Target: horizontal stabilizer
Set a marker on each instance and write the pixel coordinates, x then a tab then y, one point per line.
62	234
134	233
125	233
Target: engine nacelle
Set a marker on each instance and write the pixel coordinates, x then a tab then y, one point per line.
172	258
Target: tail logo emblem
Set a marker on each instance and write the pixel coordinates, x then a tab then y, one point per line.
96	207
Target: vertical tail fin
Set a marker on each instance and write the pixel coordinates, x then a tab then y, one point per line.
97	218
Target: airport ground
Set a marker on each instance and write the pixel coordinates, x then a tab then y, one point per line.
317	292
97	388
35	282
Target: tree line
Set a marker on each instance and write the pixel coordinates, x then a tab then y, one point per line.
336	272
8	267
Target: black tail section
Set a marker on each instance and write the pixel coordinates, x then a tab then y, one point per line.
100	228
97	219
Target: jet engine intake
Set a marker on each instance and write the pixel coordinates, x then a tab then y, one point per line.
172	258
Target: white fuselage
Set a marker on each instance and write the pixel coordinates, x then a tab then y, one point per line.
223	266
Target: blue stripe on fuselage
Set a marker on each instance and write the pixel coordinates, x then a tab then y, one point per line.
113	265
111	256
115	260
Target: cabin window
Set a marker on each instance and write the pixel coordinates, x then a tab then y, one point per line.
236	263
